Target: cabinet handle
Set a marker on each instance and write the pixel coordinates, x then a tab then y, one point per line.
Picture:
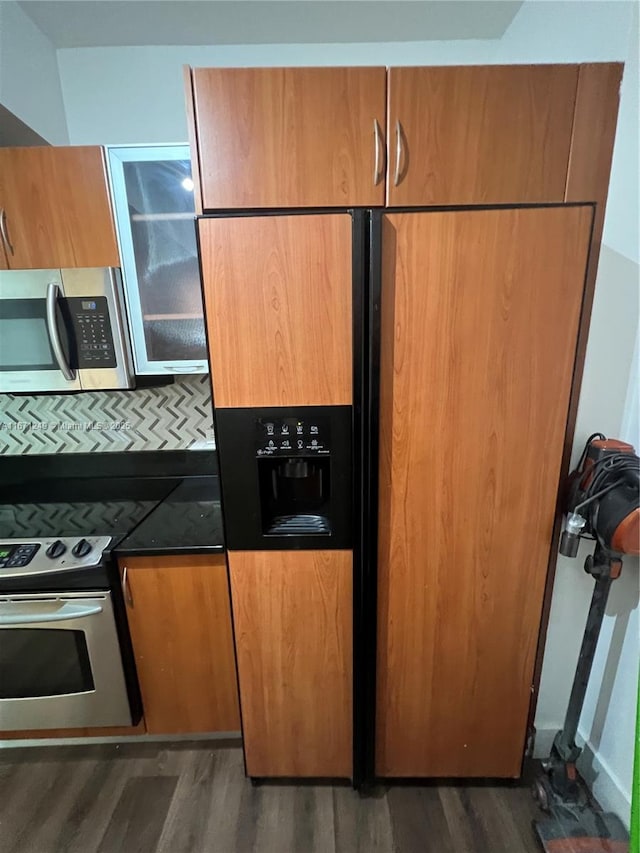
399	153
3	231
126	591
379	165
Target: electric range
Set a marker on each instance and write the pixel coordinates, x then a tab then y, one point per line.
66	659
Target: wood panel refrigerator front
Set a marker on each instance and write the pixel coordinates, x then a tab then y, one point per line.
292	620
480	312
277	291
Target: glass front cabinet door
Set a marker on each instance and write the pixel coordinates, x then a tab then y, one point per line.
155	216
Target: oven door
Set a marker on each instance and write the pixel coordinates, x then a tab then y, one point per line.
36	340
60	662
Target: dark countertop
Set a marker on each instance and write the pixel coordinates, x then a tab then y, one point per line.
188	520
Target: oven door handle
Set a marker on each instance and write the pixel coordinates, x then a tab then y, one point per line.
67	611
53	292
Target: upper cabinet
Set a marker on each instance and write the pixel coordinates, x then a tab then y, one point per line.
401	137
290	137
153	195
55	210
479	135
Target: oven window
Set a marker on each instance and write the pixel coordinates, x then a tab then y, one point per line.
43	662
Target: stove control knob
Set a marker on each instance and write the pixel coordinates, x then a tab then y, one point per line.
81	548
56	549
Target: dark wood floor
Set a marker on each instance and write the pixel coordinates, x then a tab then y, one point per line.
192	797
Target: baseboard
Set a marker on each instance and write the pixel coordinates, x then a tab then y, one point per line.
80	741
603	783
543	742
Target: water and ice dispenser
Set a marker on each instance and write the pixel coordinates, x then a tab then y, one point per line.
286	476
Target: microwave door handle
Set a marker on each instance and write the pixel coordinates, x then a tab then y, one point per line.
66	612
53	292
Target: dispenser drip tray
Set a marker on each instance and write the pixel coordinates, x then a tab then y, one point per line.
300	524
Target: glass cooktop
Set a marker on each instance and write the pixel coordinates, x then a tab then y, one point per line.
80	508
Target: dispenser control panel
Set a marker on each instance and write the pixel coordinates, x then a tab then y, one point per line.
292	436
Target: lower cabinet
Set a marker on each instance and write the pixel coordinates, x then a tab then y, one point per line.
292	614
180	625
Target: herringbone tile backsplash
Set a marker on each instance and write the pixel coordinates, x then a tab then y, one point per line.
172	417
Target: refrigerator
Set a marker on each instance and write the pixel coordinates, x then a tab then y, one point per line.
390	630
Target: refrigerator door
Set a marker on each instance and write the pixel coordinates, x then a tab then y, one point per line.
480	313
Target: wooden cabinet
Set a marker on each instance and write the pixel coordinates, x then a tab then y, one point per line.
479	135
292	613
480	314
278	294
155	216
57	211
180	623
324	137
290	137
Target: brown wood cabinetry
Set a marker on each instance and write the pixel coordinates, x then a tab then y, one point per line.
56	208
290	137
477	360
479	135
180	623
313	137
278	292
292	616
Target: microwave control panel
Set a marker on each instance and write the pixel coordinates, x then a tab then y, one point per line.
292	436
92	327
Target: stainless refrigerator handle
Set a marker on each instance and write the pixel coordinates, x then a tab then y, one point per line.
3	231
53	292
399	152
378	166
126	591
66	613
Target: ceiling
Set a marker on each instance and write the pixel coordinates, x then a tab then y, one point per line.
93	23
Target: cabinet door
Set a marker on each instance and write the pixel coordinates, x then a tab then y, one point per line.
292	614
290	137
278	291
180	623
479	135
480	314
57	208
155	216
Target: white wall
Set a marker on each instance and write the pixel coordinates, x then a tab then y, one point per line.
135	94
608	403
130	95
29	79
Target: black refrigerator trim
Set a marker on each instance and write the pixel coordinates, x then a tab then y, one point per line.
358	464
370	449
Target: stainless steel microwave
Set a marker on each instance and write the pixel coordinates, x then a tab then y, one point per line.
63	330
